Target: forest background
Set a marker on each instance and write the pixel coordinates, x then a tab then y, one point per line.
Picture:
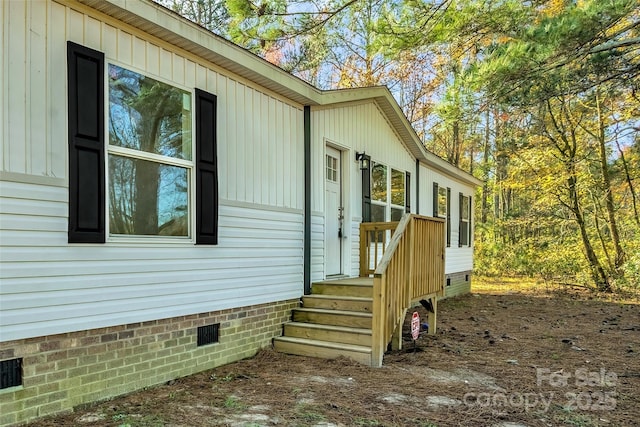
540	99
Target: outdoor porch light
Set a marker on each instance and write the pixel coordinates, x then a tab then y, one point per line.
363	159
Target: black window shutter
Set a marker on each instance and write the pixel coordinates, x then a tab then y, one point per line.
435	199
469	224
407	193
85	78
366	191
461	228
206	169
448	217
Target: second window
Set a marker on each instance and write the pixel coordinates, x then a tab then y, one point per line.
388	193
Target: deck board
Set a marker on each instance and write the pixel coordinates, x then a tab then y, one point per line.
357	281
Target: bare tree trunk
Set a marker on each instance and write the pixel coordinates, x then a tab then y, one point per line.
456	143
500	207
471	155
629	182
596	217
606	181
566	144
485	168
598	274
147	177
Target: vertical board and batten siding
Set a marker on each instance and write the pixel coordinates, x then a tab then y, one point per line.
49	286
457	259
353	127
25	119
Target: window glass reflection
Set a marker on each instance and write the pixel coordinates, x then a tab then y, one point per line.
148	115
379	182
147	198
378	213
397	188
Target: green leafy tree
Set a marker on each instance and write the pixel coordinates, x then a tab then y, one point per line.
211	14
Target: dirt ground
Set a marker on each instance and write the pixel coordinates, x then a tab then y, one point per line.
509	354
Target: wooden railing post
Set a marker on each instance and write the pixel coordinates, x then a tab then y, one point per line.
411	261
396	339
377	327
433	317
364	236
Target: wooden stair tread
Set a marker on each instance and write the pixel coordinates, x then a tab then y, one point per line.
332	312
326	344
364	331
352	281
346	288
340	297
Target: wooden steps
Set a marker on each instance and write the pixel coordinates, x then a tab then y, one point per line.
354	287
332	317
323	349
335	320
330	333
337	302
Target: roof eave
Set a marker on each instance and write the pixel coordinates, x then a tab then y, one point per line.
172	28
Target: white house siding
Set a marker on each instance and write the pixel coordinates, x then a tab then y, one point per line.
317	246
355	246
457	259
49	286
352	127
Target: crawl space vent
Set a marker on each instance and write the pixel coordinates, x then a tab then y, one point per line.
208	334
10	373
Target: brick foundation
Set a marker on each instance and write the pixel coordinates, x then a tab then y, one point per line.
63	371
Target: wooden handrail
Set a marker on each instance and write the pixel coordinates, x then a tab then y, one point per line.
411	269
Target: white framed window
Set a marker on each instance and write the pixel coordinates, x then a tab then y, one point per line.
441	207
442	202
464	238
397	194
332	168
378	192
388	193
139	167
465	209
150	154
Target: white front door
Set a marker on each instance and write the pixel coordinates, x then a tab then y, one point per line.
333	214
